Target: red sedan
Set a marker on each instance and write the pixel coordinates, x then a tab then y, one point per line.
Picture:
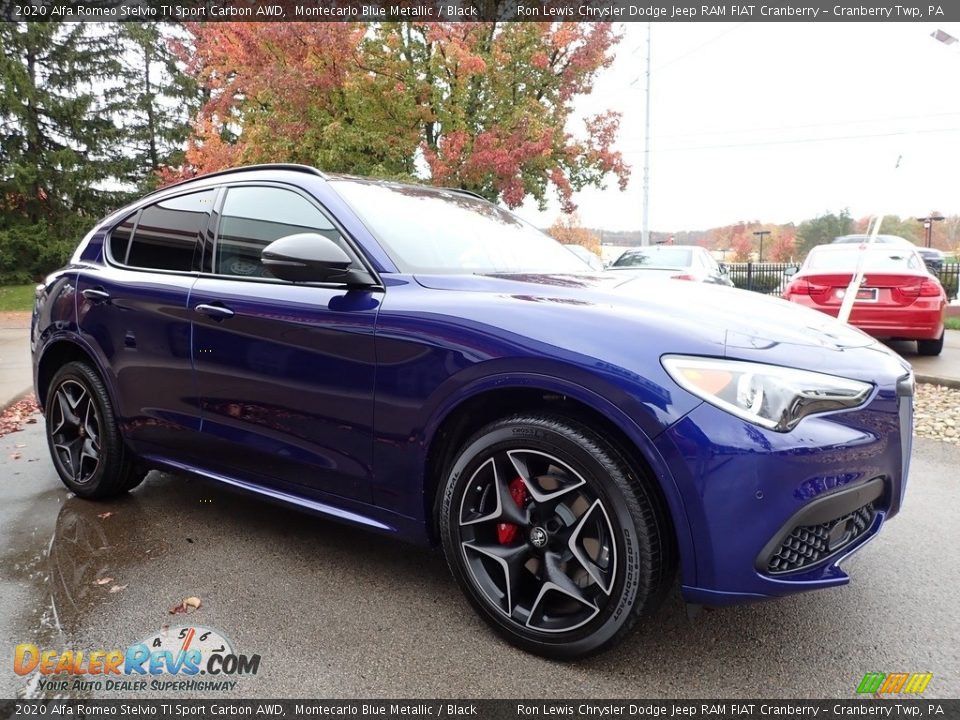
898	298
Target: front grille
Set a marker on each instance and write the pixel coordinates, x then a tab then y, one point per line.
809	544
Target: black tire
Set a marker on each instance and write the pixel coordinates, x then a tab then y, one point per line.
592	552
930	347
87	450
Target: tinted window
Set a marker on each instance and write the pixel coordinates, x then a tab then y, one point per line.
656	256
253	217
167	233
120	239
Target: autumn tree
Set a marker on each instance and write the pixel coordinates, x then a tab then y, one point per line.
485	107
568	230
784	245
742	247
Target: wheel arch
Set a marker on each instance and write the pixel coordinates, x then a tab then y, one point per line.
57	353
491	398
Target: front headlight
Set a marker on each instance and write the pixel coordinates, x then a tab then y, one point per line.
773	397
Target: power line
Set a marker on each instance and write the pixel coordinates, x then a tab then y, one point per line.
696	48
629	151
808	126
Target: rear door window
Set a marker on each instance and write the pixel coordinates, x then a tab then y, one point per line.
167	234
253	217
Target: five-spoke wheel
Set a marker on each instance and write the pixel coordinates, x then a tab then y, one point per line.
552	535
88	452
75	431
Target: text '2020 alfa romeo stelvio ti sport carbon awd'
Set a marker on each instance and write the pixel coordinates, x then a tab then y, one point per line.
419	362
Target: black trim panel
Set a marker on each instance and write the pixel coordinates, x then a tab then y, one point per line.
823	510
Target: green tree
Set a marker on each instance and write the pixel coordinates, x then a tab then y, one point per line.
822	230
160	101
58	144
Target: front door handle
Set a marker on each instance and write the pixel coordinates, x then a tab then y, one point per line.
216	311
97	294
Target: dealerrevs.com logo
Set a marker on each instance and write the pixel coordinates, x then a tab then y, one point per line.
173	659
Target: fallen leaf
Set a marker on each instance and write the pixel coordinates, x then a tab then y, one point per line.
17	415
20	445
118	588
187	606
102	581
104	515
14	456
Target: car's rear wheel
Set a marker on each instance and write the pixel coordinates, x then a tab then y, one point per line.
557	542
930	347
85	443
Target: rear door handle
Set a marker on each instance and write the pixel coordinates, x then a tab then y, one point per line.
216	311
96	295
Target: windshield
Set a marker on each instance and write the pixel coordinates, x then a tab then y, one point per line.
656	256
873	259
426	230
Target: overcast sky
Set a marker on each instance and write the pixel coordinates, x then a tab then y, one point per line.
779	122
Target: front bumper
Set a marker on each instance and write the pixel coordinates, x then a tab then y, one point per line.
776	513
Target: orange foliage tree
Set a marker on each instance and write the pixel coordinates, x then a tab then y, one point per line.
486	107
568	230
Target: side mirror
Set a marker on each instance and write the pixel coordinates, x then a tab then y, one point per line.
723	268
311	257
791	271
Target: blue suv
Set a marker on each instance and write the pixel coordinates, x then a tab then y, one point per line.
419	362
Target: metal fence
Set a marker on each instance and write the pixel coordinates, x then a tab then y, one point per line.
771	278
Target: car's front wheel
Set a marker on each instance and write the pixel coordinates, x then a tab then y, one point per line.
559	544
85	444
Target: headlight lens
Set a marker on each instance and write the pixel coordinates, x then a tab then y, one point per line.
773	397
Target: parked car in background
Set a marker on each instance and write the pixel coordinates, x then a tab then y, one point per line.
679	262
421	363
587	255
898	298
932	257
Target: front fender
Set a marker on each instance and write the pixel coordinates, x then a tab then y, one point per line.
638	424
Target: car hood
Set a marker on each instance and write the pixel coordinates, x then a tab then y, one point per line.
721	315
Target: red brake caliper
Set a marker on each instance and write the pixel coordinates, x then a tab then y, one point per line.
507	532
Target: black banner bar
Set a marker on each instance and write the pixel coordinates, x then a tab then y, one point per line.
476	10
487	709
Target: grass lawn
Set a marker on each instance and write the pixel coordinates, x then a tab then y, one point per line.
16	298
952	323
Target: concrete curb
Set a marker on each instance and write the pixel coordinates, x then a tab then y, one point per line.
16	398
934	380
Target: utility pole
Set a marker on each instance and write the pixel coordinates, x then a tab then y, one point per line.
761	233
645	234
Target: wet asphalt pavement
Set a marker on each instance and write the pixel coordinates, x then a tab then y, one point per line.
335	612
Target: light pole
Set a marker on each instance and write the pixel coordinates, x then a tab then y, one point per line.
645	234
761	234
928	225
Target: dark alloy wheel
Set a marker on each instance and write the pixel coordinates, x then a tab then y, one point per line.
554	539
85	443
75	432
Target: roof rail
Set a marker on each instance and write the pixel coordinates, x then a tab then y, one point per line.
461	191
243	168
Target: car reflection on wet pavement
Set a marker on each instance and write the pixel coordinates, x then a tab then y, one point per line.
337	612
